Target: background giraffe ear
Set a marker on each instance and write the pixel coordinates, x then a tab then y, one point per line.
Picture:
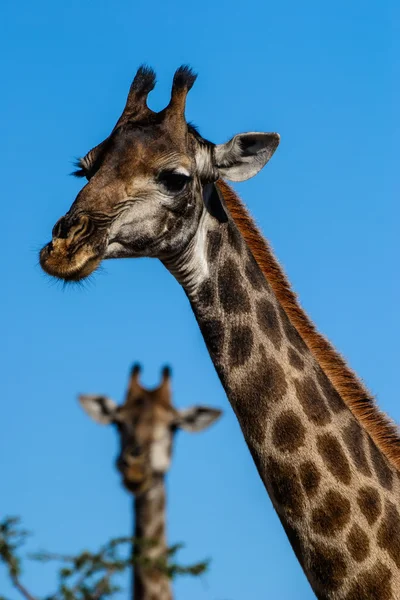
100	408
245	154
197	418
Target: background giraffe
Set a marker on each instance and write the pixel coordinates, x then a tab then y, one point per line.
146	424
328	458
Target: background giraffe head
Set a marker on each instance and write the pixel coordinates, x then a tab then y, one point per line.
146	424
148	182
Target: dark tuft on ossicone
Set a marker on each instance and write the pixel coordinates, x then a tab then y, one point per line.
184	78
145	80
136	368
166	372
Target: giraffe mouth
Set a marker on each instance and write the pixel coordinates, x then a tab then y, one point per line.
136	487
60	261
135	478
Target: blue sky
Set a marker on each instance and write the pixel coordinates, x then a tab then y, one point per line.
325	76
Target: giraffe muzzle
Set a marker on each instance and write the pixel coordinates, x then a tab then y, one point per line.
71	255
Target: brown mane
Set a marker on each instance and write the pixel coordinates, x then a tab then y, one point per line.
362	404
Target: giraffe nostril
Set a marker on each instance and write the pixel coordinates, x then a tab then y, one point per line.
125	459
122	463
60	229
73	228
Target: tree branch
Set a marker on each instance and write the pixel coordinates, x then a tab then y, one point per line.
88	575
21	588
105	580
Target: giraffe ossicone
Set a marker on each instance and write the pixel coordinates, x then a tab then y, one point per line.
328	457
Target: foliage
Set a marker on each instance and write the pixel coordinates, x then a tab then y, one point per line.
88	575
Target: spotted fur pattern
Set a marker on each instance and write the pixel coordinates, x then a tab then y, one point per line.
150	515
335	491
382	430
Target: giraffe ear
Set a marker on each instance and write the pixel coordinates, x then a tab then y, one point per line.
197	418
245	154
100	408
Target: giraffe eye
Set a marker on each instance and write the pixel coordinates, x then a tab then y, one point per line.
173	182
88	164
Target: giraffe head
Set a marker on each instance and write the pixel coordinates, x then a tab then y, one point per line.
146	424
148	184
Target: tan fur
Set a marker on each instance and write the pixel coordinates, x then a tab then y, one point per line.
362	404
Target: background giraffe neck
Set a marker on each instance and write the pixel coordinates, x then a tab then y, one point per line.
334	490
150	525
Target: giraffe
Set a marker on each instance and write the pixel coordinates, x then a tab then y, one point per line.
146	423
329	459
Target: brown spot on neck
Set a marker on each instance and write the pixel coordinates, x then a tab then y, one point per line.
328	569
232	295
269	323
353	437
374	584
288	433
358	543
312	401
331	451
332	515
310	478
370	503
286	488
389	533
381	466
295	360
240	345
264	385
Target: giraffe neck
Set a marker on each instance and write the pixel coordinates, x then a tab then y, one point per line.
333	489
150	544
